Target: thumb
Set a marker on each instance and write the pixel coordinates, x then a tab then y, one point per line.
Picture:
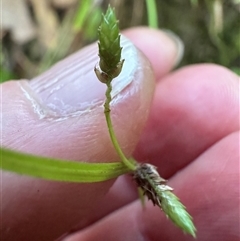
60	114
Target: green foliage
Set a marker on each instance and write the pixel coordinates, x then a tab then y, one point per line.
152	13
59	170
208	28
83	10
236	70
5	75
90	31
199	26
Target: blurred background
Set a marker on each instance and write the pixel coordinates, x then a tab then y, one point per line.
35	34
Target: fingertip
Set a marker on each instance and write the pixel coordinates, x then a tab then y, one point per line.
163	48
208	71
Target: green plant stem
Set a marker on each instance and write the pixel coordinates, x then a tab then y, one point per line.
152	13
116	145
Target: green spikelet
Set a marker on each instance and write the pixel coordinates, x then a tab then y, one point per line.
176	211
109	47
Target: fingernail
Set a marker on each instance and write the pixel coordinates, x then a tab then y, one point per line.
71	87
178	44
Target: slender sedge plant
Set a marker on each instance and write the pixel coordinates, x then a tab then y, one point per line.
145	175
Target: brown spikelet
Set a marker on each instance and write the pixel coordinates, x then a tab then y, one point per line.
148	179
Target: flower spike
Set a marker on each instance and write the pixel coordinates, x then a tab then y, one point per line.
109	47
156	189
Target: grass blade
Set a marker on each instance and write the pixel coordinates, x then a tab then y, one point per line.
59	170
152	13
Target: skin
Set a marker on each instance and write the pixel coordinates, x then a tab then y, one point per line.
191	134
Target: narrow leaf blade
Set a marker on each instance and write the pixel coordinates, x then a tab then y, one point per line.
59	170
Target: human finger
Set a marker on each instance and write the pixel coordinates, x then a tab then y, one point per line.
192	109
164	49
208	187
